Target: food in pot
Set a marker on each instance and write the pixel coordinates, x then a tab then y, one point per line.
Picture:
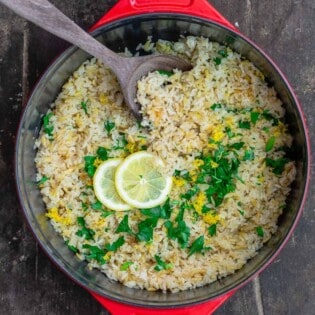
219	131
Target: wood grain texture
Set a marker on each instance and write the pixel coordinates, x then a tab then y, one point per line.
29	283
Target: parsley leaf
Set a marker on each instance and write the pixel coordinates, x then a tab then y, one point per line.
215	106
165	72
244	124
95	253
124	266
48	127
161	265
85	231
260	231
71	247
109	126
124	225
162	211
249	155
115	245
181	232
254	116
102	153
42	180
198	246
145	229
212	229
89	166
270	143
277	165
84	106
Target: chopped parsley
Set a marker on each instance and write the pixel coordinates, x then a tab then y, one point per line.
215	106
266	114
165	72
161	265
180	232
115	245
162	211
270	143
244	124
95	253
109	126
249	155
123	226
254	116
102	153
84	106
47	125
277	165
85	232
260	231
42	180
145	229
212	229
198	246
124	266
71	247
89	166
121	142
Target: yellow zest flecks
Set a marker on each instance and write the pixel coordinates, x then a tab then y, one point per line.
199	201
214	164
198	162
64	219
178	182
211	218
131	147
107	256
217	134
103	98
212	146
97	162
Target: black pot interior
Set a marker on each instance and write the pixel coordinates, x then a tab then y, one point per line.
117	36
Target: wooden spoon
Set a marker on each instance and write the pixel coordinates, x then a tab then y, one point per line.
127	69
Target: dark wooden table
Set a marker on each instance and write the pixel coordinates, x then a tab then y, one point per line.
29	283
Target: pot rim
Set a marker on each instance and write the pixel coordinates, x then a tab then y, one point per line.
230	289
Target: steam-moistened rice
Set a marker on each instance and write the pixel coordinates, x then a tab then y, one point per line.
220	132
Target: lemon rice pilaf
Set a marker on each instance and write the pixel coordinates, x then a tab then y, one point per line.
220	132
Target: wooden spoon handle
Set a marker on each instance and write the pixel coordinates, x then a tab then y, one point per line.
48	17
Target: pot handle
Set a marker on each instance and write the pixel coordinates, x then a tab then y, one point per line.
117	308
198	8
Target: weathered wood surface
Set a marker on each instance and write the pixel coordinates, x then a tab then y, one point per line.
29	283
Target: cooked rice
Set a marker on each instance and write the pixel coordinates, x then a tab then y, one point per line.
221	103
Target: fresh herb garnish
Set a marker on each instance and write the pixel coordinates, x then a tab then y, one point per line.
102	153
260	231
71	247
266	114
85	231
109	126
180	232
223	52
145	229
270	143
249	155
215	106
244	124
237	145
115	245
161	265
212	229
162	211
95	253
124	266
254	116
217	60
165	72
198	246
42	180
47	125
84	106
121	142
277	165
123	226
89	166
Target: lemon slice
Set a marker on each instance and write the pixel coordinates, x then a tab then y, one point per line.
104	186
140	182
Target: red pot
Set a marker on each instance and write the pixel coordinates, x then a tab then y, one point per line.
126	24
